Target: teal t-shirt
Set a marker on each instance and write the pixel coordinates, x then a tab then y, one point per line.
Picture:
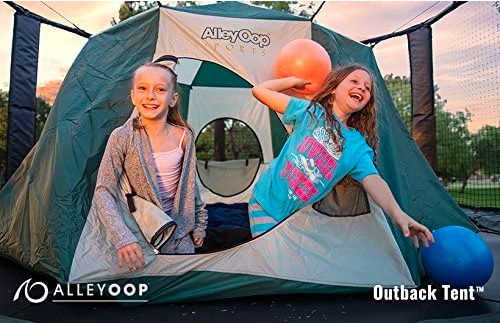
310	163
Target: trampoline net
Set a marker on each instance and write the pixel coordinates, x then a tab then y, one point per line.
466	57
467	89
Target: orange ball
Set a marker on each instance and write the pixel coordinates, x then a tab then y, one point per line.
305	59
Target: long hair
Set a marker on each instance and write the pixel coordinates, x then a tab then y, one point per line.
174	115
364	120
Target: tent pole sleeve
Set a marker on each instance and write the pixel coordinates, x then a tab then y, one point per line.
422	90
22	91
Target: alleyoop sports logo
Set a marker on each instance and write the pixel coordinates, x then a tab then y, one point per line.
129	292
243	35
26	290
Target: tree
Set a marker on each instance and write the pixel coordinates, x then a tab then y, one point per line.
400	89
42	112
455	147
242	143
185	3
219	140
204	144
455	151
4	99
131	8
42	109
487	149
293	7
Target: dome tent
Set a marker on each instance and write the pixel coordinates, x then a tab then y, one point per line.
48	222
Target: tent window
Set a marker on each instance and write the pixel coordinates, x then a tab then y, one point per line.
344	201
229	155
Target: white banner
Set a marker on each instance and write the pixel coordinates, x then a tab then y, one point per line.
248	47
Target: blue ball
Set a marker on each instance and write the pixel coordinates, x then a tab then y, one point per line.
459	257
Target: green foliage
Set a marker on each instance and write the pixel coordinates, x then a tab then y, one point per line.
400	90
42	112
455	147
4	98
460	154
276	5
293	7
131	8
455	151
186	3
487	149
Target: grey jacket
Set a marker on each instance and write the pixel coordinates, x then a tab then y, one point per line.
129	150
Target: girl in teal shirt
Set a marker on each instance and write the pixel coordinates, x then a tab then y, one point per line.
334	135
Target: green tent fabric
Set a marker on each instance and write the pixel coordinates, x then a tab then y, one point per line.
48	222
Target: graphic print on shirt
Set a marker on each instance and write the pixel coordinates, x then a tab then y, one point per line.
315	165
308	167
333	148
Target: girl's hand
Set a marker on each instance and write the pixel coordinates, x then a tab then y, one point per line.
198	242
300	84
413	229
132	255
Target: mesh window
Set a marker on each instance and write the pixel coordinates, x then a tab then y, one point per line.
344	201
229	155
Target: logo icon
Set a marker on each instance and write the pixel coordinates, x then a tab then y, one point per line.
26	290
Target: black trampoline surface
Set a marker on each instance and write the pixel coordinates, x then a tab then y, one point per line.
276	308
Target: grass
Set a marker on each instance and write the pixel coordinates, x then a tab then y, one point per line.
474	185
476	196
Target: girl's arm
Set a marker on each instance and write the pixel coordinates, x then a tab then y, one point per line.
200	211
379	191
201	217
269	94
110	172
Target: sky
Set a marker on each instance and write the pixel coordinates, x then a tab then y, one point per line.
465	44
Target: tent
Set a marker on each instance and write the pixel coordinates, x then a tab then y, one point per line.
344	243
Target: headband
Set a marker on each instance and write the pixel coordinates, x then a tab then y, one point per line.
169	61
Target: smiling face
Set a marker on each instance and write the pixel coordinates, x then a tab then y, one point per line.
353	93
153	93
